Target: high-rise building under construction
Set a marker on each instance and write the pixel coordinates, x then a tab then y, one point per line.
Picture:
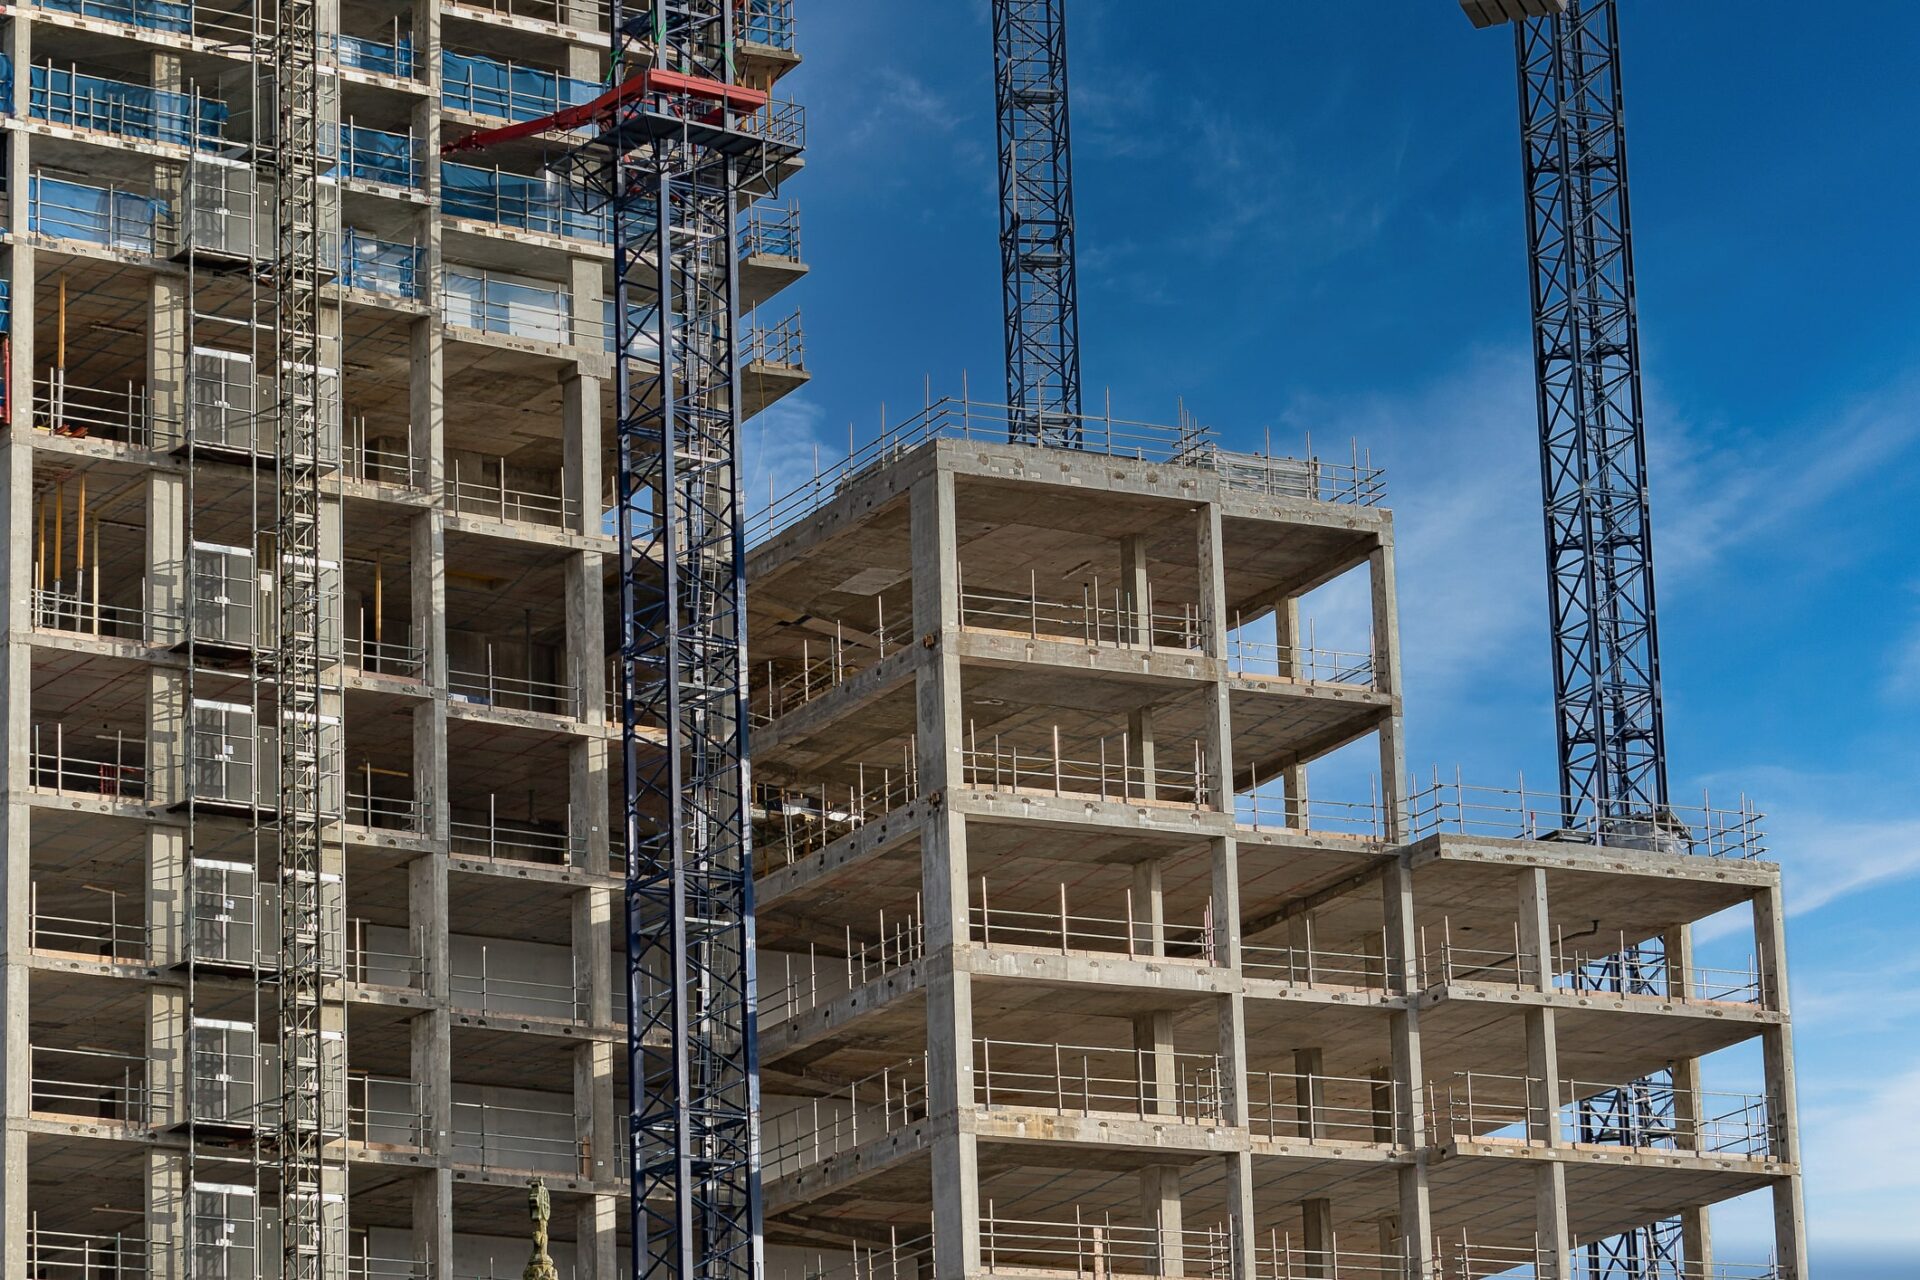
1064	969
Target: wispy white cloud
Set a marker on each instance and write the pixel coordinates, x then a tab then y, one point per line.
779	449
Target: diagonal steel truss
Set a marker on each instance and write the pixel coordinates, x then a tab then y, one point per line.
298	659
1606	656
1036	221
671	165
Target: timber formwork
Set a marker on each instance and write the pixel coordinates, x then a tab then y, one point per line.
472	1021
1066	971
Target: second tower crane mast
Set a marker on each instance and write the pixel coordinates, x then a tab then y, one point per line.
1036	221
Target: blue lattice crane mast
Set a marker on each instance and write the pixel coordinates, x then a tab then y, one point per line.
1036	221
674	144
1606	651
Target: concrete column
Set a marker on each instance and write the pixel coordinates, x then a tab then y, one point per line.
166	1220
1415	1219
587	760
1149	909
426	403
168	778
1287	642
431	1065
1160	1208
169	571
596	1244
427	592
1776	1047
1696	1229
1386	671
168	301
584	482
1543	1070
1160	1184
1141	758
169	895
950	1088
16	881
1136	597
1316	1232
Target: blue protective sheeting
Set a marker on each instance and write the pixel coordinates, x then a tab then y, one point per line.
486	87
383	57
153	15
372	155
97	215
60	95
538	204
381	266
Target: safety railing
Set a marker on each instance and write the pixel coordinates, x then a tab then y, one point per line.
903	1257
488	687
766	22
80	611
385	963
1107	771
485	491
387	55
94	764
386	657
1521	814
1586	1267
490	305
1092	1247
1311	967
110	216
391	267
824	1127
798	983
1301	664
484	1134
526	202
1314	1107
781	344
365	1265
485	86
1094	1080
67	96
95	1083
1348	819
1064	930
111	934
387	1112
236	29
1187	446
791	822
1103	616
374	459
484	833
378	156
1622	971
1483	1107
488	985
124	414
561	12
368	807
785	685
1460	1258
1278	1256
769	231
84	1255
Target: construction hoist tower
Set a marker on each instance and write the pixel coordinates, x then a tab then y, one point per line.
1036	221
298	658
1606	652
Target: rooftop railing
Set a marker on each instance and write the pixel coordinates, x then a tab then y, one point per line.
1521	814
781	344
1356	483
770	231
767	22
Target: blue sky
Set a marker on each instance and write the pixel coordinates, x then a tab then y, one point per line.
1307	218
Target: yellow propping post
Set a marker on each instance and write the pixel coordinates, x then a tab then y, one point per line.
96	575
379	612
60	361
59	528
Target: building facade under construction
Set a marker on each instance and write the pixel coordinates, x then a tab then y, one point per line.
1064	967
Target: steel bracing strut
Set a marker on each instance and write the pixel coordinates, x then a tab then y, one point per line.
297	667
1036	220
1606	654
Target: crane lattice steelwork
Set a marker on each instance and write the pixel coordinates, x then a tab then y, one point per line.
675	143
1036	220
1606	652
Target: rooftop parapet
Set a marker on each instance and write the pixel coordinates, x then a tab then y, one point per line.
1505	813
1356	482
